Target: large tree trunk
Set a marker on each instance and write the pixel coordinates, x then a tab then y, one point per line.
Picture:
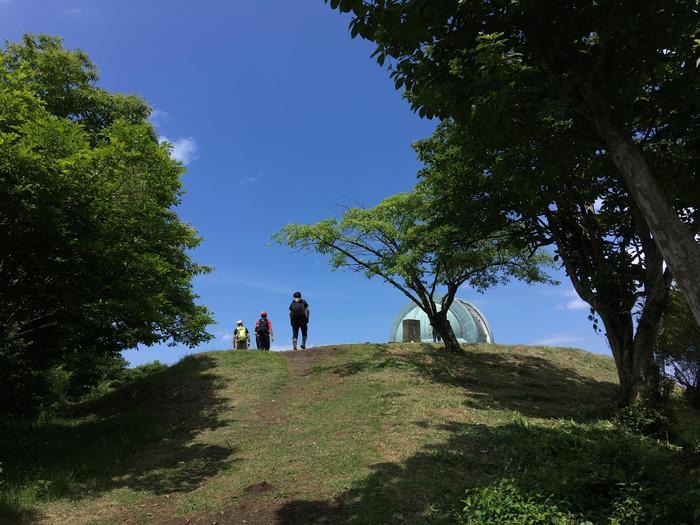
634	357
674	239
443	328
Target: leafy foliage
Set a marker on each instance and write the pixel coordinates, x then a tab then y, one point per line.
574	204
94	258
616	89
501	61
402	241
678	347
599	472
505	502
641	419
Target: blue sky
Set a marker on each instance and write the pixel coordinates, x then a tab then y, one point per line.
279	117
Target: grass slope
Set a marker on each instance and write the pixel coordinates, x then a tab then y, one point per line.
348	434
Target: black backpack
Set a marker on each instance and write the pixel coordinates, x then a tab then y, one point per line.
263	326
298	309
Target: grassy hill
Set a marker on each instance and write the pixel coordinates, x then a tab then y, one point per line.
350	434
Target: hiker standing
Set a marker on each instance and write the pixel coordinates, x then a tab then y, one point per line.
299	317
433	332
241	337
263	331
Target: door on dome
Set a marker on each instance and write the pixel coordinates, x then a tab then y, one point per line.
411	330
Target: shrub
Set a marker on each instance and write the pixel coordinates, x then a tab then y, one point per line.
628	507
505	502
600	471
641	419
143	371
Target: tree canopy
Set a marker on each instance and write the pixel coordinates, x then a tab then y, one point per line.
93	257
623	75
597	230
401	241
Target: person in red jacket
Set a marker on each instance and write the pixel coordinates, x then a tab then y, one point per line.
263	331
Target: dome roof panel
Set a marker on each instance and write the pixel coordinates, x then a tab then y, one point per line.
468	323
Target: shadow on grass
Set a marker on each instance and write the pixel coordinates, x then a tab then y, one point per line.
531	385
141	436
13	513
592	470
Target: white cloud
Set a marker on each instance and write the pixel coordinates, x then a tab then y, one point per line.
252	179
73	11
224	278
227	337
158	116
183	150
559	290
574	304
559	340
577	304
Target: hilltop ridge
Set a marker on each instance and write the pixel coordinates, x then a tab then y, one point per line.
363	433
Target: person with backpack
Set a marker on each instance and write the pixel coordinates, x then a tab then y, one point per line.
299	317
263	332
241	337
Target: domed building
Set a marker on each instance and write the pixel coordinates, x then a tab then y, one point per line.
467	321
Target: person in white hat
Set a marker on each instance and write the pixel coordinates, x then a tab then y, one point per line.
241	337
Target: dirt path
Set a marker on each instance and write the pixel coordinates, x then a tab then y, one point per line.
256	508
300	363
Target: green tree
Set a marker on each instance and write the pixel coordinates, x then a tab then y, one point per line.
678	346
624	73
597	230
93	257
400	241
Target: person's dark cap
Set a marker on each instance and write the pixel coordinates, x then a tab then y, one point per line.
297	294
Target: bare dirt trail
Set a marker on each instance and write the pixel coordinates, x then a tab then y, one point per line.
299	363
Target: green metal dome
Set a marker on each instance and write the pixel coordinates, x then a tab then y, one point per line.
467	321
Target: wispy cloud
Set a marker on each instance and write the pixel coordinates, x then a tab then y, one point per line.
158	117
559	340
183	150
478	301
247	180
559	290
252	179
72	11
259	285
574	304
227	277
222	336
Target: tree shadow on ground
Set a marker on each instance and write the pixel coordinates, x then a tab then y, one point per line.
141	436
584	469
531	385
